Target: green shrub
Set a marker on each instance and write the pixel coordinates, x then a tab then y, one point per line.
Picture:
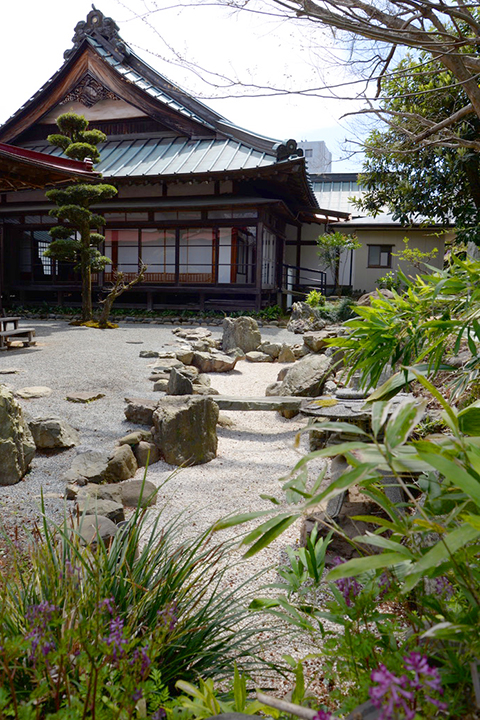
315	299
389	281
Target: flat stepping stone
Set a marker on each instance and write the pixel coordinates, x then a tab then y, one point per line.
37	391
226	402
84	397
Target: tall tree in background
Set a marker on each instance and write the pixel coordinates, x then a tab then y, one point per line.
413	174
77	241
330	248
375	33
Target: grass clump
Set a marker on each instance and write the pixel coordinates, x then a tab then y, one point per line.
107	632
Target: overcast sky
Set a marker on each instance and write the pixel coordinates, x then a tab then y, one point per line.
252	48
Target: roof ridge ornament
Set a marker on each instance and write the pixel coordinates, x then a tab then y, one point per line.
287	150
102	28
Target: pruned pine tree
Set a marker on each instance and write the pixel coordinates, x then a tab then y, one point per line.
77	240
118	287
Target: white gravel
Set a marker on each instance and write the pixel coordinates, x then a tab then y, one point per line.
253	453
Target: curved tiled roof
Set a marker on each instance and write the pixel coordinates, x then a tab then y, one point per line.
171	156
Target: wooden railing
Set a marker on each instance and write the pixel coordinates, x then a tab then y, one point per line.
162	278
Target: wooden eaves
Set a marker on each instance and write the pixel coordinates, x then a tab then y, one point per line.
26	169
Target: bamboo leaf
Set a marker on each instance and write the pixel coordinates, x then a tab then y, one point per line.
363	564
455	473
239	519
271	535
445	548
403	420
382	542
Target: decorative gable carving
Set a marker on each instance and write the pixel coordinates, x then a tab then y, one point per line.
89	91
102	28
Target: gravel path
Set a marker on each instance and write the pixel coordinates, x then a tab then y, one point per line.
253	452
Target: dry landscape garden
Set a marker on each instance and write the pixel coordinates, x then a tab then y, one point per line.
218	513
294	529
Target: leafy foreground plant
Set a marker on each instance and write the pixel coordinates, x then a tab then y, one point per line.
103	633
415	587
438	314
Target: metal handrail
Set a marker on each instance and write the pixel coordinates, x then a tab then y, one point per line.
294	278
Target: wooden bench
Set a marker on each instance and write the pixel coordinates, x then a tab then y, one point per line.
9	336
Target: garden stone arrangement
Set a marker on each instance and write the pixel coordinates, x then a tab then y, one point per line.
171	399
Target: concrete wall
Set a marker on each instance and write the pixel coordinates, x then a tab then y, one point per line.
364	277
317	156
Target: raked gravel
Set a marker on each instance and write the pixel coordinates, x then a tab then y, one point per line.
253	453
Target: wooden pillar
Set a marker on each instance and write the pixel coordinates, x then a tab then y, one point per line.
259	262
2	266
177	256
298	260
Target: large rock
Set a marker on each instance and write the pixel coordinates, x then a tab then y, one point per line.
136	437
184	353
240	332
307	377
90	505
316	340
89	465
192	334
146	452
304	318
185	430
17	446
140	411
92	527
121	465
179	384
204	390
110	491
137	492
286	355
53	432
271	348
382	293
214	361
164	365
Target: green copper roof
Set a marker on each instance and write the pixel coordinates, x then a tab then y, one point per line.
171	156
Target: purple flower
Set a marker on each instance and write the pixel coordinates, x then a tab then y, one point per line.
443	587
390	695
425	677
141	656
116	641
159	714
384	584
322	715
38	618
109	605
168	616
404	695
137	695
349	587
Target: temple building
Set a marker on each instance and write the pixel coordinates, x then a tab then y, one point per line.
218	214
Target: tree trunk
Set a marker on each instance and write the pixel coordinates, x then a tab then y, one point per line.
119	287
106	309
338	289
86	271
